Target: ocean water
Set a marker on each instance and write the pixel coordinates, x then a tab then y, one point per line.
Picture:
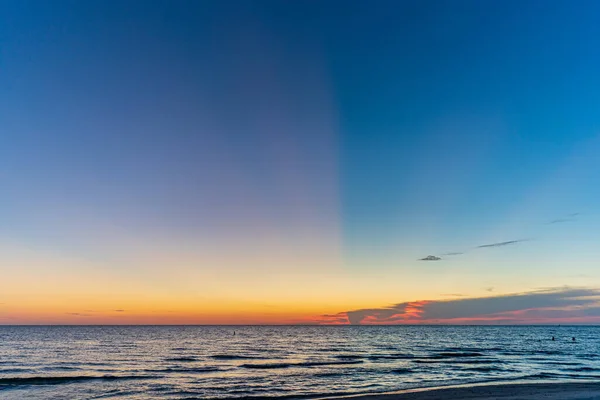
205	362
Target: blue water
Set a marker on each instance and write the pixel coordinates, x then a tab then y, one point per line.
201	362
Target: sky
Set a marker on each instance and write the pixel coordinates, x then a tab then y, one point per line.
269	162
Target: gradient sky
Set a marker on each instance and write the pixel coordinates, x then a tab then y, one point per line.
284	162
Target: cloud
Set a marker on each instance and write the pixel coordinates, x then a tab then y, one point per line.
489	289
79	314
560	220
430	258
453	294
400	312
335	319
546	306
119	310
457	253
499	244
569	217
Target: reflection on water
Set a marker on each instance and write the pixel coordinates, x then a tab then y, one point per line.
177	362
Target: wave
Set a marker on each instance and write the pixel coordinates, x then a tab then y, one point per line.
62	368
403	371
473	349
318	363
349	356
583	369
294	396
532	352
456	358
483	369
556	362
548	352
87	363
14	370
589	356
235	357
333	349
441	357
457	354
184	370
391	357
266	366
552	375
455	361
182	359
556	375
300	364
57	380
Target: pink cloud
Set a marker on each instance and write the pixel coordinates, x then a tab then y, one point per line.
548	306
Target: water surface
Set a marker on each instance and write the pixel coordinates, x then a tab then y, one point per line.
204	362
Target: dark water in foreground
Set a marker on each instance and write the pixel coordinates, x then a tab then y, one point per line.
195	362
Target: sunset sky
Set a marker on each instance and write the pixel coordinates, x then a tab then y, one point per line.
238	162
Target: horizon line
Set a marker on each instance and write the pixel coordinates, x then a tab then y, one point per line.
299	325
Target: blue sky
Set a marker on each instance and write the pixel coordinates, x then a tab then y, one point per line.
455	124
348	137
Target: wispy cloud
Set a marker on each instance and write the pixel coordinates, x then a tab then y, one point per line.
119	310
79	314
483	246
569	217
430	258
489	289
559	220
500	244
556	305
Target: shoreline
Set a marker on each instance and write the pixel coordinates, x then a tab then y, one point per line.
550	390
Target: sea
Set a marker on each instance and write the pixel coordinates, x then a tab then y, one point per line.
257	362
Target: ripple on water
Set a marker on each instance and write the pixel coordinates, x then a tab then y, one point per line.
156	362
